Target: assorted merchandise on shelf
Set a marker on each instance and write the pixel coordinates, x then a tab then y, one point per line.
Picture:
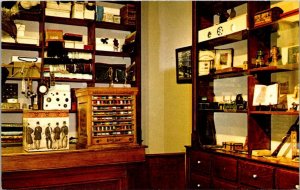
11	134
64	55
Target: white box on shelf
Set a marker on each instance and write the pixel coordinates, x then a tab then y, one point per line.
114	11
237	24
27	40
15	58
7	39
77	10
79	45
89	14
59	5
69	44
20	29
57	13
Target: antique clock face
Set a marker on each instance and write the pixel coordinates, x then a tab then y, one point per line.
220	31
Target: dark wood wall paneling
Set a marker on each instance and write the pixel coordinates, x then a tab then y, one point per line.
165	171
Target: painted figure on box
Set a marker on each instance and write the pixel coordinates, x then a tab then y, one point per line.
29	140
57	136
64	135
48	133
37	135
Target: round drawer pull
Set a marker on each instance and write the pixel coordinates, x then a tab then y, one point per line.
198	162
254	176
198	185
297	186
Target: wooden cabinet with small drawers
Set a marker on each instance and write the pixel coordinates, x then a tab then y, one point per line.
106	117
220	170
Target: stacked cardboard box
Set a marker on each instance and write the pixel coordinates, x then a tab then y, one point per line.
128	14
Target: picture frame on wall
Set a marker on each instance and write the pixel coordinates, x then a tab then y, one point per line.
224	58
184	65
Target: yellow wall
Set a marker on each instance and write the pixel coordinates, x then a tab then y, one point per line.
166	105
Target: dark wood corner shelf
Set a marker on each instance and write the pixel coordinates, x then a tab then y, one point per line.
273	113
222	111
12	111
15	46
75	50
68	21
113	54
115	26
235	37
70	80
29	16
274	69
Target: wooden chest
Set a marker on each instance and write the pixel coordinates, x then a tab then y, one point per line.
106	117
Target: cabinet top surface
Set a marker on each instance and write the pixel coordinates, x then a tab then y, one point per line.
282	161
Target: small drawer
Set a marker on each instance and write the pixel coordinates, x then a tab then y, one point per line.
219	184
201	162
114	139
286	179
199	182
225	168
257	175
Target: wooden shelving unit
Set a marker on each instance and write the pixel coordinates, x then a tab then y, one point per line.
210	165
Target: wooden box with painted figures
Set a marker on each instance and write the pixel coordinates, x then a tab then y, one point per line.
45	130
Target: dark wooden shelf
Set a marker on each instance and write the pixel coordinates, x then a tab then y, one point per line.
29	16
115	26
235	37
113	54
15	46
273	113
217	110
12	111
68	21
75	50
21	111
71	80
274	69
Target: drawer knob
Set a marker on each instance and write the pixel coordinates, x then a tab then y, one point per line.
198	162
198	185
254	176
297	186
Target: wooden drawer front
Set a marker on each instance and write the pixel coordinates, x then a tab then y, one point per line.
199	182
225	168
109	140
256	175
201	162
218	184
285	179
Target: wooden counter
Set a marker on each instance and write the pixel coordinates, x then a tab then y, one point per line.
75	168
